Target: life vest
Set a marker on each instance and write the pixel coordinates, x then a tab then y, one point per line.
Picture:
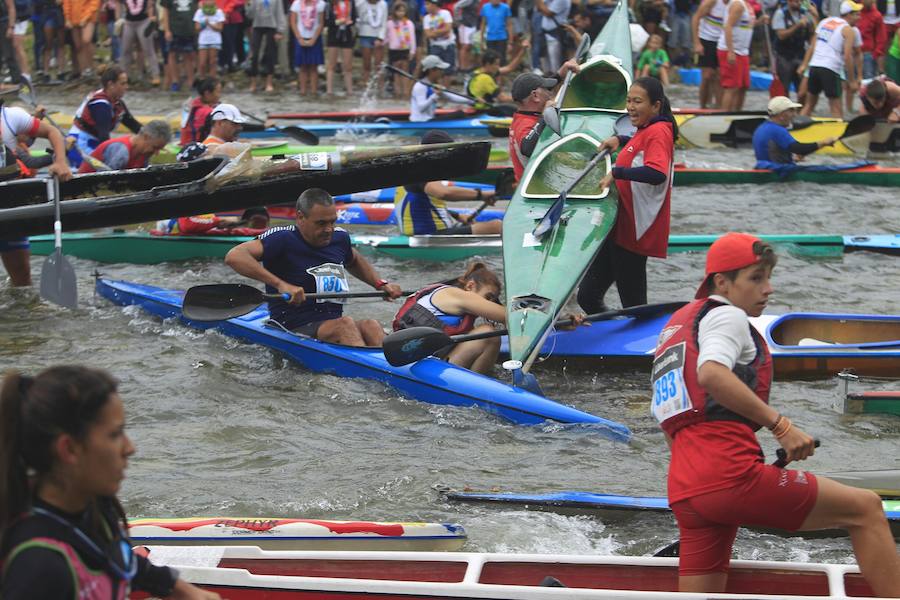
419	311
678	399
418	213
135	161
193	120
84	120
793	46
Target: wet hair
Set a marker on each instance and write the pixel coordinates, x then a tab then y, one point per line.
876	90
436	136
254	211
34	412
767	258
204	85
655	92
157	130
481	275
490	57
110	74
312	197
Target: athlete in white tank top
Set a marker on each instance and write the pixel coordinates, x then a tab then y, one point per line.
711	24
829	49
741	33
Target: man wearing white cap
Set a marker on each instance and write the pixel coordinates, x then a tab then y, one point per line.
226	125
426	93
773	144
831	52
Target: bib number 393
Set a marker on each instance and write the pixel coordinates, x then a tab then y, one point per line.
670	394
331	278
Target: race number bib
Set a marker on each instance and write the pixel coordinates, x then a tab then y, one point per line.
331	278
670	394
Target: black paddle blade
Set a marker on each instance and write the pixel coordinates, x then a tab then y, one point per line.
219	302
505	184
303	136
407	346
501	110
58	283
859	125
673	550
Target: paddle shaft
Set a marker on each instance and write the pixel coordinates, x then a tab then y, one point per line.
303	136
53	194
333	296
436	86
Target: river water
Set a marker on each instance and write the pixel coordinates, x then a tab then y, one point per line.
231	429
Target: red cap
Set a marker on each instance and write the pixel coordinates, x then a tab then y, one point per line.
730	252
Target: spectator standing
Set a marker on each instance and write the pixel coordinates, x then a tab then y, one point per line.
466	13
340	18
437	26
892	61
555	13
680	38
268	27
371	27
209	21
7	52
654	61
307	23
81	19
138	15
890	10
496	27
706	27
20	31
828	56
113	29
232	53
653	14
733	52
874	39
177	19
401	42
794	28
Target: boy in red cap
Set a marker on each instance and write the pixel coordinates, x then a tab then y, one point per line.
711	379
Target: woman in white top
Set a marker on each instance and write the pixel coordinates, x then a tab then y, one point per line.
370	27
733	51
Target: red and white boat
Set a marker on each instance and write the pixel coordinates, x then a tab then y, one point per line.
246	573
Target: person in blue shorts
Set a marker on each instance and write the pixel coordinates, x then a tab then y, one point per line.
773	144
312	256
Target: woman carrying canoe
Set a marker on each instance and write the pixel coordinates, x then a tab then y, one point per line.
63	457
711	379
453	308
643	179
209	90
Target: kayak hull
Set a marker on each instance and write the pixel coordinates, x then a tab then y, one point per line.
429	380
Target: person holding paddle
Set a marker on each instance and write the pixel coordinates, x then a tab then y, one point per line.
711	376
643	179
427	92
132	151
63	459
794	26
774	145
223	125
453	307
314	256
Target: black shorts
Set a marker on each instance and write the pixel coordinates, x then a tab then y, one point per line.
824	80
340	38
182	44
455	230
395	56
709	59
309	330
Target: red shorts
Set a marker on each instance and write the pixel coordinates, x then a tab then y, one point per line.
769	497
736	75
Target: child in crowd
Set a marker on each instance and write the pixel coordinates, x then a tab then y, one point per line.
307	22
209	21
437	25
401	41
654	61
371	28
340	17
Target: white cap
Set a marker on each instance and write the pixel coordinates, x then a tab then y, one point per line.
433	62
779	104
848	6
228	112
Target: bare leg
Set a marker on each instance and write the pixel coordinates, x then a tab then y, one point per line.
707	80
330	62
340	331
477	355
371	331
347	68
487	227
834	105
18	265
810	104
713	583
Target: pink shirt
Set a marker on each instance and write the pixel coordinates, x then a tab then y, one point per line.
401	35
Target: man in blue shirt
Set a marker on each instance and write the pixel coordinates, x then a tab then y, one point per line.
496	27
312	255
773	144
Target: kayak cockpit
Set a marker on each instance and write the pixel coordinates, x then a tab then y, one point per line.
601	85
559	164
826	331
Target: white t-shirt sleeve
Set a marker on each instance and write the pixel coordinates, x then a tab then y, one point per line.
724	337
17	121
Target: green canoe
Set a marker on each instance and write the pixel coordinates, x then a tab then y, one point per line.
541	274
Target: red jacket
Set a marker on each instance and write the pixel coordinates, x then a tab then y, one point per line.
874	33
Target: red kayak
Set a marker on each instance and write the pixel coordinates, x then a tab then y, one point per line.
394	114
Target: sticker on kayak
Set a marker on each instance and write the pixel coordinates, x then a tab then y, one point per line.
312	161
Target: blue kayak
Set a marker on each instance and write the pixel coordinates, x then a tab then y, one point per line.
455	127
430	380
388	194
380	213
613	505
885	243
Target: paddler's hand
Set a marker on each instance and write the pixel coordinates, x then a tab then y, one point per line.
188	591
610	143
60	168
40	112
298	296
828	142
392	291
570	65
797	444
577	321
606	182
489	197
732	57
698	48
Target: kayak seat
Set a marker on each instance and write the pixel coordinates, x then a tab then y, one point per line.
813	342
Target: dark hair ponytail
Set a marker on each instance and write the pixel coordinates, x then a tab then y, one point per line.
205	85
655	92
33	413
481	275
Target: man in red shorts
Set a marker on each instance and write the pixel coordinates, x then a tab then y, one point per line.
711	379
733	52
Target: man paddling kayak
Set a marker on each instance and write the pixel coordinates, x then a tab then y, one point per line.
773	144
711	379
421	208
131	151
427	92
881	99
453	307
312	255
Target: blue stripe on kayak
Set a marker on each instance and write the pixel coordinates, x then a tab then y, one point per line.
468	126
269	538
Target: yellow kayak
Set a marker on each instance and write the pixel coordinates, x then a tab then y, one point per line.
65	121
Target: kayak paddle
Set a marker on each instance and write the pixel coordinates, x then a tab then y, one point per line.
218	302
551	113
58	283
855	126
494	110
673	550
304	136
415	343
777	87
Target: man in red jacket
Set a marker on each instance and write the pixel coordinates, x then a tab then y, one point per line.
874	36
131	151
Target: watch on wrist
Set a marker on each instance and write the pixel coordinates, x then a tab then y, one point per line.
478	194
380	283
